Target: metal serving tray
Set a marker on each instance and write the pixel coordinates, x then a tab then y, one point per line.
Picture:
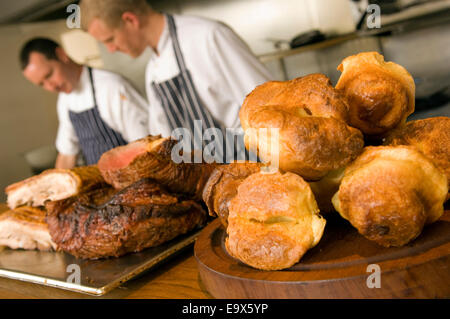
96	277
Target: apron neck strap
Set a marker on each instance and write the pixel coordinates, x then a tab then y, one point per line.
91	79
175	42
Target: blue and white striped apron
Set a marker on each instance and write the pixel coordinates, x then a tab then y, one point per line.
94	135
181	102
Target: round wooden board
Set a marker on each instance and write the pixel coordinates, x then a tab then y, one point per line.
336	268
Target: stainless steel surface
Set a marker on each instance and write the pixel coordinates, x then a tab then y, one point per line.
97	277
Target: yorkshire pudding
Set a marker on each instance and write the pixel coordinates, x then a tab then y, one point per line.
430	136
380	94
273	220
390	192
310	136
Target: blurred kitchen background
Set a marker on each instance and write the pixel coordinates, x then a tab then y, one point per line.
292	37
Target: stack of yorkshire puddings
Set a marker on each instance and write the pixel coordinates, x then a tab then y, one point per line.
388	190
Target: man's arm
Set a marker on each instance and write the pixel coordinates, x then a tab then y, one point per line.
65	161
66	138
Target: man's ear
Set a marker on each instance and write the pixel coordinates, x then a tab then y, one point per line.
131	18
62	55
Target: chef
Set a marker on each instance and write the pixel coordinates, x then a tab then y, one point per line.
200	70
97	110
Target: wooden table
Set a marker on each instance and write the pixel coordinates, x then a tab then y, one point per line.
176	279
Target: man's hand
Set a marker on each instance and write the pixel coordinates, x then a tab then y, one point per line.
65	161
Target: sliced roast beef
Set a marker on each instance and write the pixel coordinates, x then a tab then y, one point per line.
150	157
110	223
53	184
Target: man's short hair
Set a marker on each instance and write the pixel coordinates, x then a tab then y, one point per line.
110	11
44	46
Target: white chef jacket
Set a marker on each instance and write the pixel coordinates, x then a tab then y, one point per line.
223	69
121	107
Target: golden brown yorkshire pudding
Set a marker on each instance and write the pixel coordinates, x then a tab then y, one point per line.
430	136
389	193
222	185
312	94
309	114
273	220
380	94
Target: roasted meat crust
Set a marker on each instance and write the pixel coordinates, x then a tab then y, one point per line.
222	187
54	184
380	94
152	157
313	136
390	192
106	223
25	228
153	160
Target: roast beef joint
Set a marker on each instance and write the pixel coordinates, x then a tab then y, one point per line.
110	223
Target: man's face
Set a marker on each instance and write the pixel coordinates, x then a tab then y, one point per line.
125	38
52	75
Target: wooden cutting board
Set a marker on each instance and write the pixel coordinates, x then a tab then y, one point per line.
343	265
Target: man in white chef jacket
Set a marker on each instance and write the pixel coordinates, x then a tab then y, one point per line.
200	70
97	110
